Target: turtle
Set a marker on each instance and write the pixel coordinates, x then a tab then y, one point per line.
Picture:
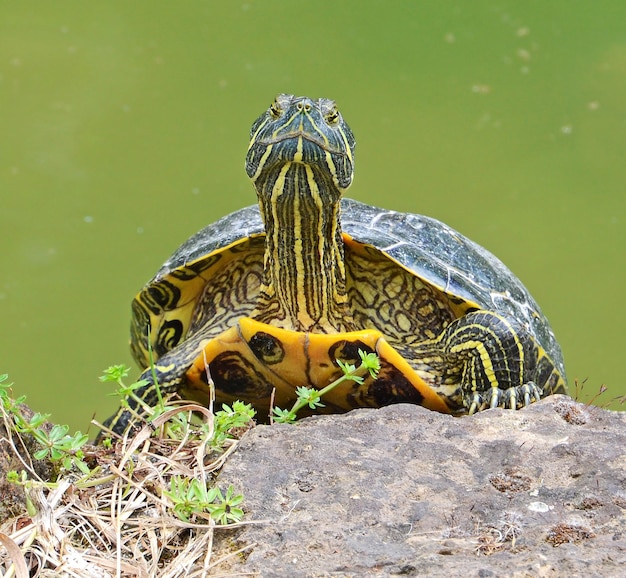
275	295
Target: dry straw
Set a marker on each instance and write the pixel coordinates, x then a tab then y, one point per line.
117	522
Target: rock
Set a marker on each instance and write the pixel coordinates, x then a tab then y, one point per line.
403	491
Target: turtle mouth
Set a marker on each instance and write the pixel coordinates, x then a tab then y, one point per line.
313	139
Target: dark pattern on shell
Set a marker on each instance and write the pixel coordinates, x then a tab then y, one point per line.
139	328
266	348
387	297
160	296
348	351
192	270
233	374
231	293
391	386
169	336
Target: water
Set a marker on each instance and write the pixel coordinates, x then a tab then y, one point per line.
124	131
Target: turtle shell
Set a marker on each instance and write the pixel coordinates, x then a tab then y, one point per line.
466	273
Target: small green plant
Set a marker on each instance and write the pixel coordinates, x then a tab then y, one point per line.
59	446
307	396
176	426
56	443
116	374
190	496
229	419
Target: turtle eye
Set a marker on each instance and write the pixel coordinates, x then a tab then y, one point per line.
332	116
275	110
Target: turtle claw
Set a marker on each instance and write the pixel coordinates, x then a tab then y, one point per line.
474	403
480	400
532	392
496	396
510	398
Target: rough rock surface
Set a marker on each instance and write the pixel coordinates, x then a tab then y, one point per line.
403	491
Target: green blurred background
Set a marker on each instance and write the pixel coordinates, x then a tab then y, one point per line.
124	125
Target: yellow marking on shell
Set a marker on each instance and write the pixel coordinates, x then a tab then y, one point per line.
306	361
181	310
393	288
403	322
426	310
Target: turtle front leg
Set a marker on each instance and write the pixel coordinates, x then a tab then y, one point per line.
495	360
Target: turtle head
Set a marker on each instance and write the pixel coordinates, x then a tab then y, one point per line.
303	131
300	160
